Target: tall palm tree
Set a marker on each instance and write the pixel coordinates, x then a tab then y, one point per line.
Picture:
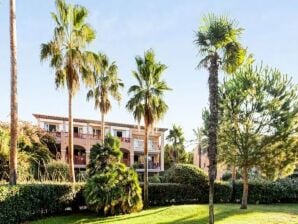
107	83
147	102
13	96
67	55
176	136
201	143
217	41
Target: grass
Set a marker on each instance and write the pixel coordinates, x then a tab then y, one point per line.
190	214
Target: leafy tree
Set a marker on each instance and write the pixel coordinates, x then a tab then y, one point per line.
107	83
68	57
13	95
258	122
217	41
111	187
175	152
147	102
33	153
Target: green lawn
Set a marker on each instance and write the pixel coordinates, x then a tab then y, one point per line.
188	214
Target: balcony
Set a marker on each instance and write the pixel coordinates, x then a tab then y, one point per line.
151	166
79	160
152	147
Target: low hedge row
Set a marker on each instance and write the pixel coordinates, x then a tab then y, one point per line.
30	201
281	191
171	193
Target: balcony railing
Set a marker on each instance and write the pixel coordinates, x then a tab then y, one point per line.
151	165
79	160
58	134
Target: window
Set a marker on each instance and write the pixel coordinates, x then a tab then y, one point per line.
119	134
96	132
52	128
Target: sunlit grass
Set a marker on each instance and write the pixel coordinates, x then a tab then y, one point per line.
190	214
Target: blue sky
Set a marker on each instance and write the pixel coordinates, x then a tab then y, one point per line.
128	28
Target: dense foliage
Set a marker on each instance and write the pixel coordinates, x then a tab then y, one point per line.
24	202
33	151
258	123
186	174
57	171
175	151
111	187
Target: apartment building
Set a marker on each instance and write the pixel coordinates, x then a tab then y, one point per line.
88	132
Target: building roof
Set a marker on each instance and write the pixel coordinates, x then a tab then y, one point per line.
88	121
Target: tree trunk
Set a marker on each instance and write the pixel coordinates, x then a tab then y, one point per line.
245	188
146	200
102	128
13	97
200	156
70	140
212	132
234	176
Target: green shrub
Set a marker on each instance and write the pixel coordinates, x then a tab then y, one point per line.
186	174
222	192
111	187
154	179
24	202
174	193
266	192
227	176
57	171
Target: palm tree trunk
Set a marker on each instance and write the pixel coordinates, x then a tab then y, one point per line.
146	200
70	139
13	97
102	128
245	188
212	132
200	156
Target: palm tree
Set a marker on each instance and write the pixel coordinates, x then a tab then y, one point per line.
67	55
201	142
13	97
176	136
147	102
217	41
107	83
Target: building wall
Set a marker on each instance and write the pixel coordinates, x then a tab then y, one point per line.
85	139
221	168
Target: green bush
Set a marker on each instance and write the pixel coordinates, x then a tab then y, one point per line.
111	187
222	192
227	176
57	171
174	193
154	179
25	202
186	174
266	192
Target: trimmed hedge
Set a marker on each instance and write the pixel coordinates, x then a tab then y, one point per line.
30	201
174	193
281	191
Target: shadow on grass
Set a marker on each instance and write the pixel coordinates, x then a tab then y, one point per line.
113	219
221	214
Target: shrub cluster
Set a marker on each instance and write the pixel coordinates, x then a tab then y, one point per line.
30	201
186	174
265	192
111	188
